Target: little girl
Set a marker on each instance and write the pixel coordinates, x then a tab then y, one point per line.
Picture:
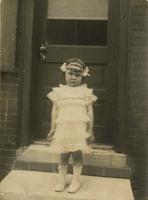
71	121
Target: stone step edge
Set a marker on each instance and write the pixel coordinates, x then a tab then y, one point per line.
102	146
87	169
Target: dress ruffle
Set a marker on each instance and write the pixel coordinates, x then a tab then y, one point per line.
71	137
53	96
72	95
90	97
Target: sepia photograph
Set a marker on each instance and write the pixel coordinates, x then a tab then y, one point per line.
74	100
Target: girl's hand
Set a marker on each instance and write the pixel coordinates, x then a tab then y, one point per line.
50	134
90	139
90	132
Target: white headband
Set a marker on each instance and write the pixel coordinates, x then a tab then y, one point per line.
85	70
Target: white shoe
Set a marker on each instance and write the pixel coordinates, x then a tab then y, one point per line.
62	178
60	187
74	187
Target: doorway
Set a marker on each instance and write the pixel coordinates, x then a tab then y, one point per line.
84	29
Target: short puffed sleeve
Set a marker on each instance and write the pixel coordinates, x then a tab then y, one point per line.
53	95
90	97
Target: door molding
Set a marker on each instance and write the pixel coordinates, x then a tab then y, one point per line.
122	90
120	125
24	63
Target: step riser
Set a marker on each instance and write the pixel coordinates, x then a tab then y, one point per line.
87	169
11	196
97	158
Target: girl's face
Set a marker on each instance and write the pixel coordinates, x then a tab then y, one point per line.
73	77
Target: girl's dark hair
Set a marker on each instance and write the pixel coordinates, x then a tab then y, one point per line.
76	60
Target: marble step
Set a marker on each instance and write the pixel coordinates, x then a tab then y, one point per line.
101	162
33	185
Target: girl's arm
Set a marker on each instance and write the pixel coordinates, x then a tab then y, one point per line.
91	117
54	115
91	137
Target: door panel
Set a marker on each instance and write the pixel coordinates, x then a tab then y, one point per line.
91	54
95	53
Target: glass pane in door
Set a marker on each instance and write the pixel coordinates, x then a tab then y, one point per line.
77	32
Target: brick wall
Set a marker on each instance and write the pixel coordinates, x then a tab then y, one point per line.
11	86
138	97
8	120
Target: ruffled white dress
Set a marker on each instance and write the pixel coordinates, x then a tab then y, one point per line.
71	130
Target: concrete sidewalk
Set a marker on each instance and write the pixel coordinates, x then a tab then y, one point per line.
31	185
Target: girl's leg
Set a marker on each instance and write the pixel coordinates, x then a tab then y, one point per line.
77	169
77	158
64	159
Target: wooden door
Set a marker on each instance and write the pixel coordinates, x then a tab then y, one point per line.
83	29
